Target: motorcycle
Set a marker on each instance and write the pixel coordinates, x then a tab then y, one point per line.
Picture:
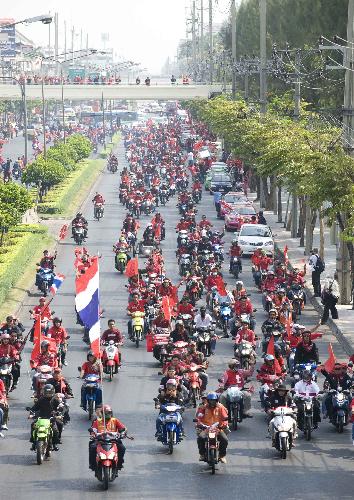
171	420
195	383
203	339
121	260
91	385
218	253
148	207
137	327
45	277
212	445
164	195
42	438
283	429
5	373
110	359
184	264
79	234
245	353
107	457
182	238
225	315
310	367
296	296
340	403
98	211
234	398
305	418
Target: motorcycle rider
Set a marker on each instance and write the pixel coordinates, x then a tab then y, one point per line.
243	305
275	398
337	378
136	305
204	223
306	350
110	424
44	408
47	261
245	333
170	395
61	386
204	320
235	253
157	220
197	357
59	334
130	225
179	334
235	376
204	245
45	357
78	220
9	351
92	366
269	326
214	412
148	235
185	307
97	200
308	388
112	333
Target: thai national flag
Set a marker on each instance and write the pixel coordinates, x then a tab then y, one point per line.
87	303
57	282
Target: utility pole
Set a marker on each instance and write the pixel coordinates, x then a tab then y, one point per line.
103	123
246	87
194	43
201	48
233	46
343	259
297	96
262	74
56	40
211	61
65	47
72	44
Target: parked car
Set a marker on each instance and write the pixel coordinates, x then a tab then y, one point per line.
220	182
241	215
253	236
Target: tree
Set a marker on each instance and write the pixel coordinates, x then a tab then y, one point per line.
44	174
79	147
14	202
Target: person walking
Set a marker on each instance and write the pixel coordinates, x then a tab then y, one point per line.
330	296
317	267
217	202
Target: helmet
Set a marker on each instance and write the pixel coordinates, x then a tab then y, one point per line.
5	336
172	382
306	375
79	214
273	311
89	354
57	320
48	391
269	357
212	396
239	285
233	363
107	410
270	273
245	320
281	290
45	343
179	322
282	387
42	299
203	308
234	242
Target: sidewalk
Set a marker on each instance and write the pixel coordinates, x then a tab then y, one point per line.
342	328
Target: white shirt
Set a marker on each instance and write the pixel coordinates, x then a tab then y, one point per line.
206	322
330	285
313	262
190	156
306	389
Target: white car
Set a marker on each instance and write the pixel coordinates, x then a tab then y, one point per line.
253	236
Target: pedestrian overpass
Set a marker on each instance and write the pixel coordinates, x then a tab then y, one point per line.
130	92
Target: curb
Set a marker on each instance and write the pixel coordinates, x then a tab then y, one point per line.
343	341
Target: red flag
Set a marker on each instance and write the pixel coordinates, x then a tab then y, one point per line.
174	296
329	364
63	232
166	307
220	285
37	339
270	348
286	258
158	231
288	323
132	268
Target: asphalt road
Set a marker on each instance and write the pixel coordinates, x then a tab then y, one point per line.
322	468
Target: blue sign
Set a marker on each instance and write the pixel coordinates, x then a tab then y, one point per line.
7	38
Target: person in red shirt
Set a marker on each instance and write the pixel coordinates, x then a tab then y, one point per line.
4	408
270	283
264	262
257	254
42	309
165	289
204	223
185	307
91	367
183	225
47	261
177	364
112	333
98	198
235	376
296	278
45	357
136	305
59	334
243	305
160	321
7	350
245	333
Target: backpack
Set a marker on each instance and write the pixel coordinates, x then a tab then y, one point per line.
320	265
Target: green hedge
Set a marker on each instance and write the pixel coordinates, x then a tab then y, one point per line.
22	248
65	198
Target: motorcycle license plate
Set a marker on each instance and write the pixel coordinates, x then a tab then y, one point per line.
212	435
